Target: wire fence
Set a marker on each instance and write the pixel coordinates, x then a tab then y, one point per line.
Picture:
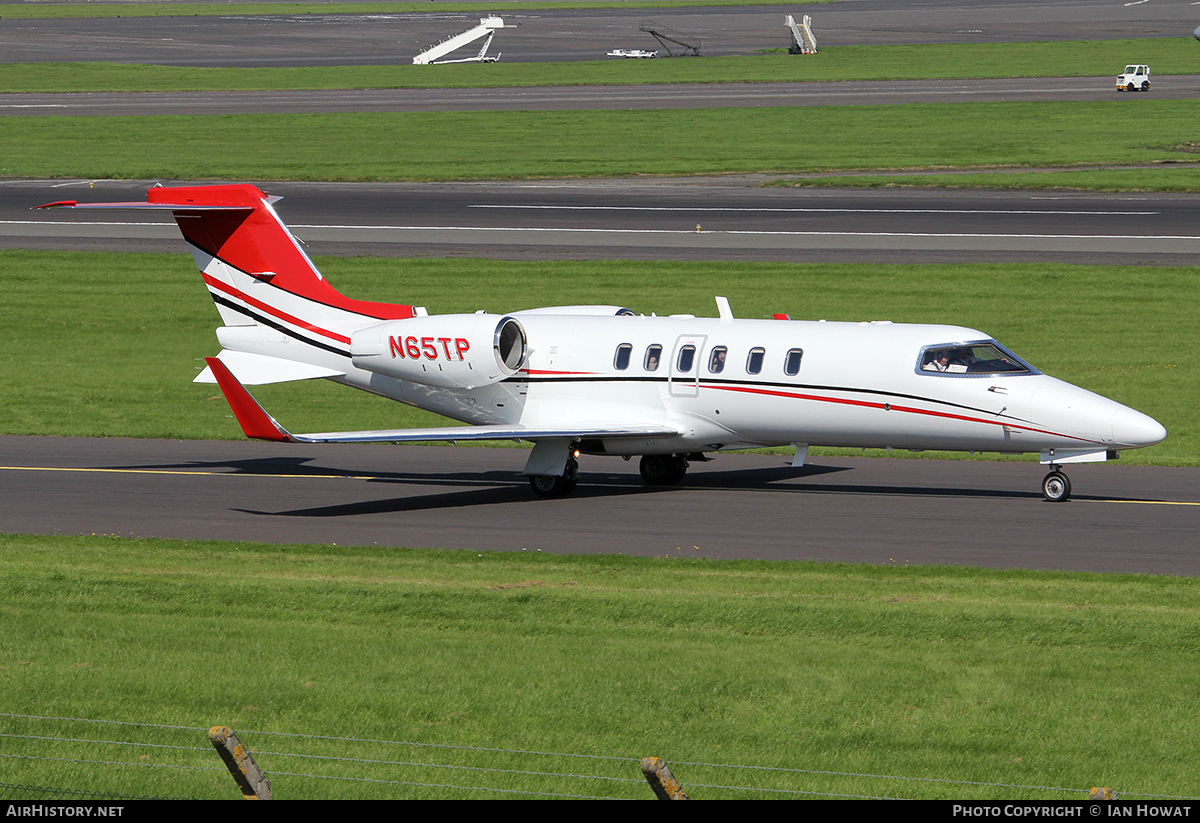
111	759
12	791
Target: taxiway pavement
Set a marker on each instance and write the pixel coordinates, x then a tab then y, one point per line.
653	219
880	511
594	98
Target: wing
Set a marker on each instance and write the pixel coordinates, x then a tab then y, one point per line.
256	423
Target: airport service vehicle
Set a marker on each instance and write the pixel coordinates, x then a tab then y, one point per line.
1134	78
632	53
602	380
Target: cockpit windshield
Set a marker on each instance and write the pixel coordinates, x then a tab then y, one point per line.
986	357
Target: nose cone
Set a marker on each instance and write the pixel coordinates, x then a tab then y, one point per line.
1083	416
1133	430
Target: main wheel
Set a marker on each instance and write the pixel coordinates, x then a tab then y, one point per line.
1056	487
663	469
547	485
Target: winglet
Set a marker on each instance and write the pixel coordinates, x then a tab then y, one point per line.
254	421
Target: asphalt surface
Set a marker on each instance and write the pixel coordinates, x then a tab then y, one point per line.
564	35
894	512
653	219
596	98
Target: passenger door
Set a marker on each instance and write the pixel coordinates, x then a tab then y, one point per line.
683	379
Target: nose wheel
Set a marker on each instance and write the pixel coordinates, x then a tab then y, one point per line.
549	486
1056	487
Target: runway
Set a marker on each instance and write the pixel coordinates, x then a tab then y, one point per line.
879	511
594	98
567	35
653	219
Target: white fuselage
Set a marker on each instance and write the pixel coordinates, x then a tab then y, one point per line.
857	385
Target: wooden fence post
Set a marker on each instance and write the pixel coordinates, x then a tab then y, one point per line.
241	765
665	786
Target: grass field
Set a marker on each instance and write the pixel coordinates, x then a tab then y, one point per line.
497	145
1098	58
1013	679
121	334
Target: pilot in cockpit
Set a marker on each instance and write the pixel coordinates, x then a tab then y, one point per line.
955	360
937	361
960	360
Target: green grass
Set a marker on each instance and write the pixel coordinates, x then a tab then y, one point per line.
494	145
1020	679
1100	58
1160	178
107	343
81	8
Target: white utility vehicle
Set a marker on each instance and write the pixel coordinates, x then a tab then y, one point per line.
1134	78
632	53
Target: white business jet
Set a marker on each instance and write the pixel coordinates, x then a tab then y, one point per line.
602	380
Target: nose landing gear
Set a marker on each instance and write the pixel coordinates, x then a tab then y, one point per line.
1056	486
549	486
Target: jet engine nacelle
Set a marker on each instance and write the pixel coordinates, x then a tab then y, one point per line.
458	351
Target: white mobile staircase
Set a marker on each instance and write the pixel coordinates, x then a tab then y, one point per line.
486	28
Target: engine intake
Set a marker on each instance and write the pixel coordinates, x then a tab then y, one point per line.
459	351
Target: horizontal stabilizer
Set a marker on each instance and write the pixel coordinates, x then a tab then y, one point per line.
139	205
261	369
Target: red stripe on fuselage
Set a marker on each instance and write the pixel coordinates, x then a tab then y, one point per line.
871	404
214	283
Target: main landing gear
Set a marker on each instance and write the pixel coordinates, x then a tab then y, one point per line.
663	469
1056	486
550	486
656	469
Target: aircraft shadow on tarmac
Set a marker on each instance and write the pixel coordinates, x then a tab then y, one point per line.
268	466
492	488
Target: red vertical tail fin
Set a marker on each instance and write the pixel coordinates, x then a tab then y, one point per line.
237	226
256	270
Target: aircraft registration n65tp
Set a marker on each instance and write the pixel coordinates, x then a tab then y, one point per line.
601	380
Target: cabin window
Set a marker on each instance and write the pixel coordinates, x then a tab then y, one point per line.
755	360
621	361
716	360
653	357
791	363
972	358
687	357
